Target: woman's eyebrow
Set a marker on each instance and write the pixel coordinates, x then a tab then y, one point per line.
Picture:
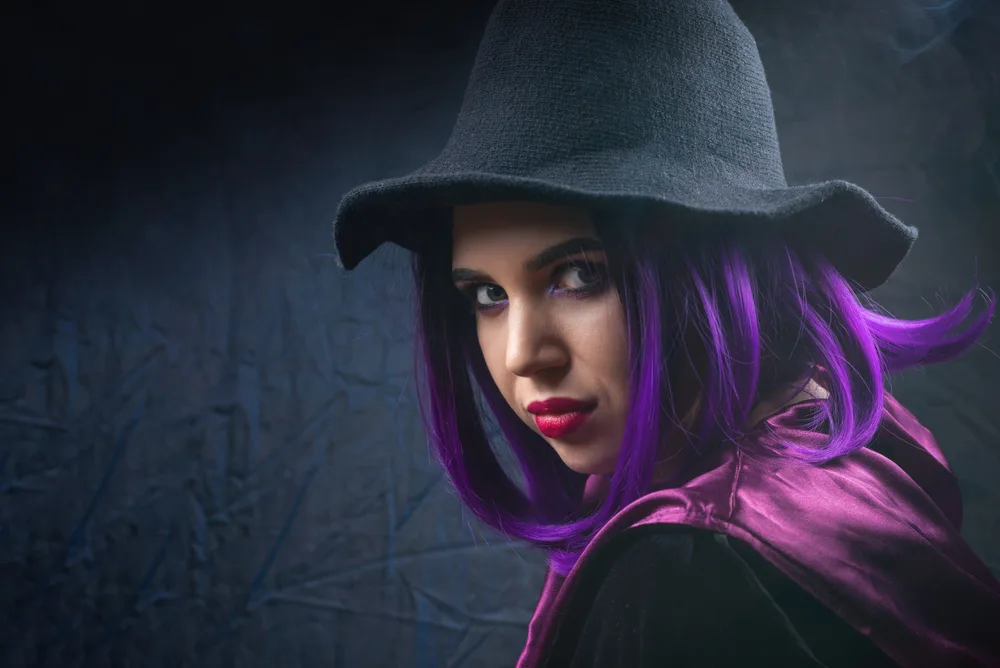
560	250
461	275
543	259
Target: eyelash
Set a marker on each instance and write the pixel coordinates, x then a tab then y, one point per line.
598	268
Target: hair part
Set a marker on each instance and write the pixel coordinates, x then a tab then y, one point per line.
715	321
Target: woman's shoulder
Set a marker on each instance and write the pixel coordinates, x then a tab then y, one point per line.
659	594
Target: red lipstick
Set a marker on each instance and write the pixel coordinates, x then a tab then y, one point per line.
560	416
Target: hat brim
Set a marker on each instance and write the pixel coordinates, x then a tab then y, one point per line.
862	240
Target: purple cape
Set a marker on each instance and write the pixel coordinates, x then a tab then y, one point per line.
873	535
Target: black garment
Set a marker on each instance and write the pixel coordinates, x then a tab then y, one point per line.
675	597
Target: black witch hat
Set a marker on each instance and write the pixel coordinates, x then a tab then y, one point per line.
660	103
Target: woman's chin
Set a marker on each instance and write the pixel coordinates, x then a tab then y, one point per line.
585	462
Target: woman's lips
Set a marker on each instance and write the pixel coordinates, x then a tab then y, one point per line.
560	416
557	425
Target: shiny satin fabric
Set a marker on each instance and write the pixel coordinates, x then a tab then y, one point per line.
873	535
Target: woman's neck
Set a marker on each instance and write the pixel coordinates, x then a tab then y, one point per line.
780	400
773	404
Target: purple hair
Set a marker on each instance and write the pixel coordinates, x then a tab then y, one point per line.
721	313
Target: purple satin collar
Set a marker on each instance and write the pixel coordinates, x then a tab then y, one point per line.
873	535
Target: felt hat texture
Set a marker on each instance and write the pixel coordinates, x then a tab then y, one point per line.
656	104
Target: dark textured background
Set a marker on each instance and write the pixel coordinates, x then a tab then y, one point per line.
209	449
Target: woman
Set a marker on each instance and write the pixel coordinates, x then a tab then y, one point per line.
678	348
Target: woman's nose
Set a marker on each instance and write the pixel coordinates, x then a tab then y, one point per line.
533	341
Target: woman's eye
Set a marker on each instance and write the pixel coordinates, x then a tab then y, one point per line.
489	294
578	277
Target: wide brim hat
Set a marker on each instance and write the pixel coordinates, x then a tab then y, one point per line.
656	104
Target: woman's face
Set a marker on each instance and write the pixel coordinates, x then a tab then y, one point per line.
550	323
